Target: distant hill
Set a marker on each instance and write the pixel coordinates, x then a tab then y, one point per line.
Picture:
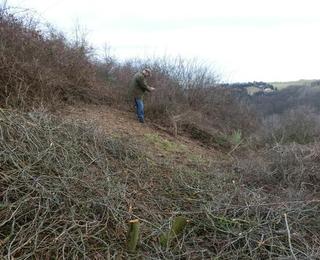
260	87
251	88
302	82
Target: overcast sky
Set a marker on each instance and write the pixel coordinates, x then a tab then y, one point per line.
247	40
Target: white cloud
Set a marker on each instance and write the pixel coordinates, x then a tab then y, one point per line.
248	39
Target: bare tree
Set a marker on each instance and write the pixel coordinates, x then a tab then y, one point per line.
3	5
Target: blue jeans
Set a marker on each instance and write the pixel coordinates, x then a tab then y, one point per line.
139	109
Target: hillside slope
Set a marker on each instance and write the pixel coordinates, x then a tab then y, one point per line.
232	185
157	140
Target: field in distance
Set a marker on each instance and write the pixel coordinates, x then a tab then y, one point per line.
301	82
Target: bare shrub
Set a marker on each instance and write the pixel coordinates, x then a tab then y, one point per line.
300	125
227	112
40	65
286	170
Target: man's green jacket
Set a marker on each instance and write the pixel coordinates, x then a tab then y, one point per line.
138	86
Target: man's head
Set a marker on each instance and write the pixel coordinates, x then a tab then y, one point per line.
146	72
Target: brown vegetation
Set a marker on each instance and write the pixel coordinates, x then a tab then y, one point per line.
69	190
40	66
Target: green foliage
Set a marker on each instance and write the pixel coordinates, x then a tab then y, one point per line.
235	138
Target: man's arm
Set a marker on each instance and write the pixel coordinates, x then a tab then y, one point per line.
143	84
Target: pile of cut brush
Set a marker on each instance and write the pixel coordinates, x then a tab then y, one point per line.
58	197
68	191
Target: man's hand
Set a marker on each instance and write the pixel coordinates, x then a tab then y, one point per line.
152	89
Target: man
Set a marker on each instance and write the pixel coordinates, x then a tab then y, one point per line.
138	86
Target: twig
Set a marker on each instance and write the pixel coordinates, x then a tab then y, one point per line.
289	236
